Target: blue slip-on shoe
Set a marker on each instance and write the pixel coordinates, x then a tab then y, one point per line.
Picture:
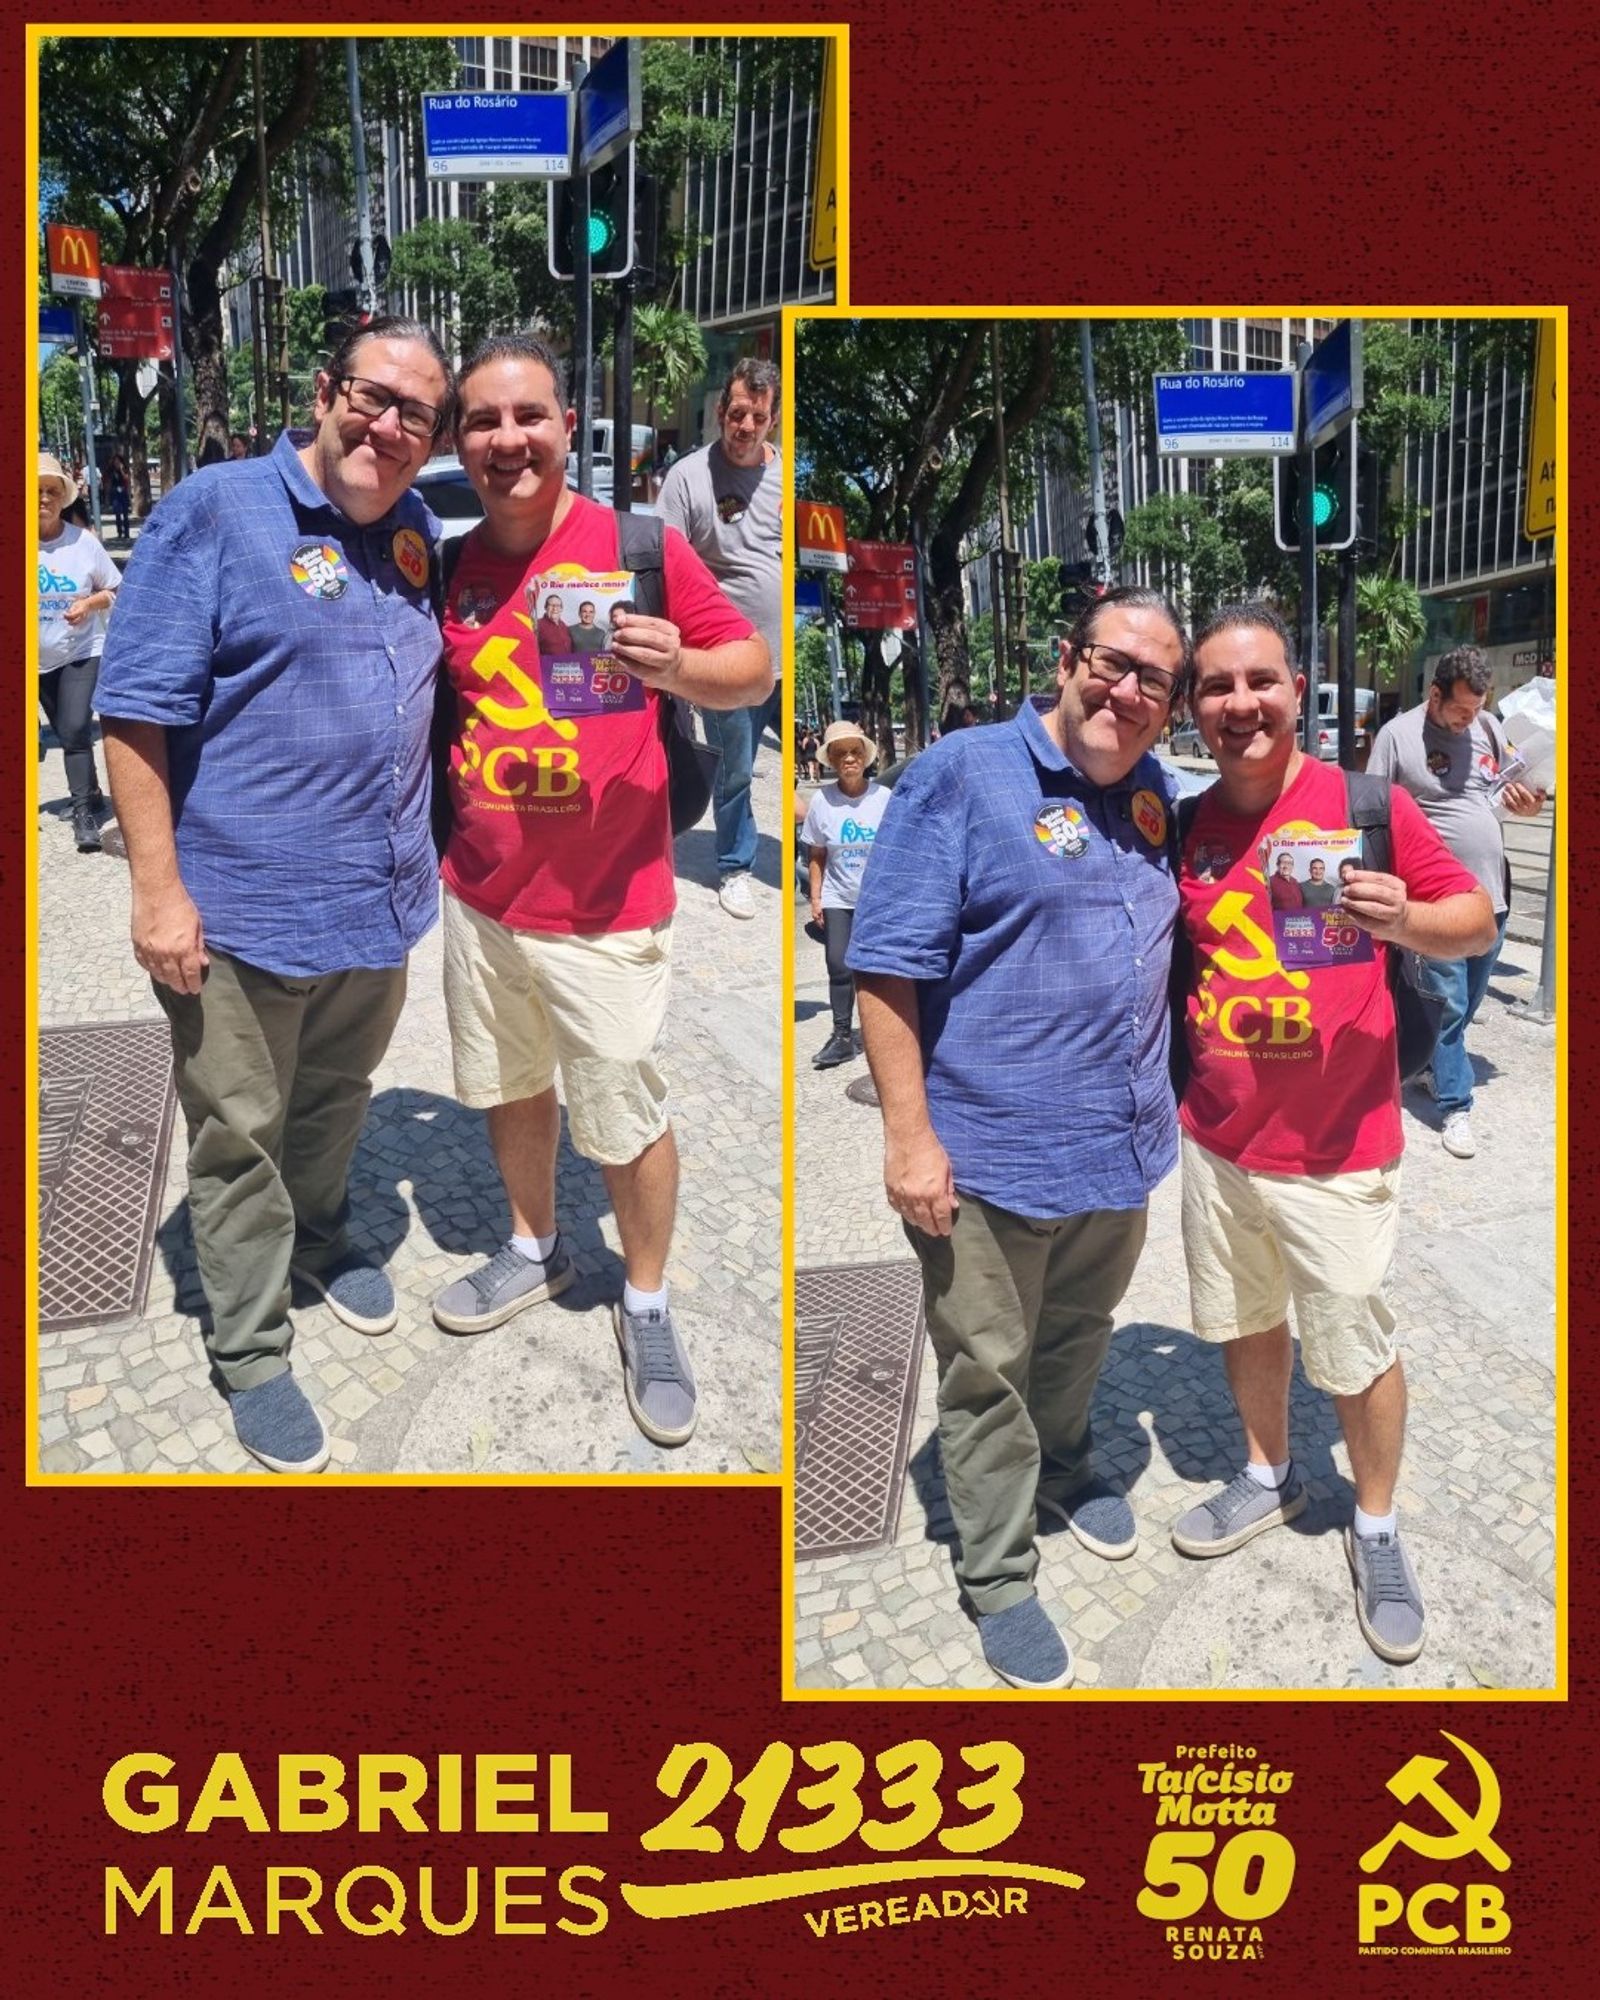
656	1377
501	1288
1024	1648
1388	1596
1243	1509
357	1293
276	1423
1098	1516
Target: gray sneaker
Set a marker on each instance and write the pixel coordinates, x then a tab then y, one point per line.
1388	1596
1236	1515
1023	1646
498	1290
656	1377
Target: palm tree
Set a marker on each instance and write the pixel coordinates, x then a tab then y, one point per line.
669	354
1390	621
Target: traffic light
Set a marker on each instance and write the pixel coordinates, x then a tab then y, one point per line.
1333	499
341	314
610	220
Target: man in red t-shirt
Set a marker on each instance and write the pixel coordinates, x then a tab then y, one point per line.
1291	1115
558	883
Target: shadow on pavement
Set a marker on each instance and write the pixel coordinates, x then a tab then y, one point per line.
694	858
442	1150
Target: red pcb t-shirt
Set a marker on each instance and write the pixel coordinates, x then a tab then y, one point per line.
1292	1071
561	822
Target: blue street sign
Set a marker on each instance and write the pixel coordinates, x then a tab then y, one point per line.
55	323
1219	416
610	109
807	596
497	135
1334	390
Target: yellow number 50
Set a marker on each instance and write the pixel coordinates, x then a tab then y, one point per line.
1178	1887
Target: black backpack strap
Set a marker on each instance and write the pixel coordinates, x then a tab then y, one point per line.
443	574
1367	799
640	541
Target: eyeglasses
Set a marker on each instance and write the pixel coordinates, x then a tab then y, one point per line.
371	399
1113	666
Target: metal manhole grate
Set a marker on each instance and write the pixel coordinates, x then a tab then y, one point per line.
105	1122
857	1352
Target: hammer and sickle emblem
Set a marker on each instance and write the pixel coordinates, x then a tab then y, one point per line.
1230	914
498	656
1471	1832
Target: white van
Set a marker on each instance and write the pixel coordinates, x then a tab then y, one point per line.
1328	721
644	441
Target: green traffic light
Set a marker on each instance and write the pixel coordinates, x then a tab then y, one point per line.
1324	505
602	234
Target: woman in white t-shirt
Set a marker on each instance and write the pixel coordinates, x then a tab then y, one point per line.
840	827
77	582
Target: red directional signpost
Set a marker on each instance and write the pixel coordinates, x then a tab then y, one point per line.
880	588
136	319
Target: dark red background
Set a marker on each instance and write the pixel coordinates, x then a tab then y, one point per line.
1357	154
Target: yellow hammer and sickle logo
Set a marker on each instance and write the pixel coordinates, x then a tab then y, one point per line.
498	657
1471	1833
1231	913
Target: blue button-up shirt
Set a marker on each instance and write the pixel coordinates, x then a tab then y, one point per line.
290	655
1034	910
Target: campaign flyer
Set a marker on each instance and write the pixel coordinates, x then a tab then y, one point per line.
1305	872
575	613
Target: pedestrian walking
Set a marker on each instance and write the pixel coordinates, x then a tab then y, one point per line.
726	501
1452	757
841	824
78	583
116	493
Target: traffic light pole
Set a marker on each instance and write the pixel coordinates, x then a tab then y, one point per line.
1101	552
1347	659
622	401
1306	465
583	322
86	385
368	298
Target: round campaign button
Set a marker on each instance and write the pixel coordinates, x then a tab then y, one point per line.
319	569
411	556
1150	816
1062	829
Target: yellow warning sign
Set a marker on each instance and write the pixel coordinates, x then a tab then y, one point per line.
1540	515
825	181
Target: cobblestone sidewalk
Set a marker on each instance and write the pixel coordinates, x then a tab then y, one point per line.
542	1393
1475	1291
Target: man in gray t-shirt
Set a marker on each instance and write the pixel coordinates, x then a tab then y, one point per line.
726	502
1448	755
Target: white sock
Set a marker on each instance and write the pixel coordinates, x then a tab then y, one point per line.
1269	1475
1370	1525
635	1301
537	1249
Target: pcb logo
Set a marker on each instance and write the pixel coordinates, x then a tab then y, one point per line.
1451	1831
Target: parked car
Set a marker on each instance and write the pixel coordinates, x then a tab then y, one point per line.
1328	722
444	484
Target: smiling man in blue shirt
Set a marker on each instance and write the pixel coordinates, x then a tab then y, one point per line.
1011	948
266	696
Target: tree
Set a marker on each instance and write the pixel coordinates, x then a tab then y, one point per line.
895	420
669	352
1390	623
152	141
